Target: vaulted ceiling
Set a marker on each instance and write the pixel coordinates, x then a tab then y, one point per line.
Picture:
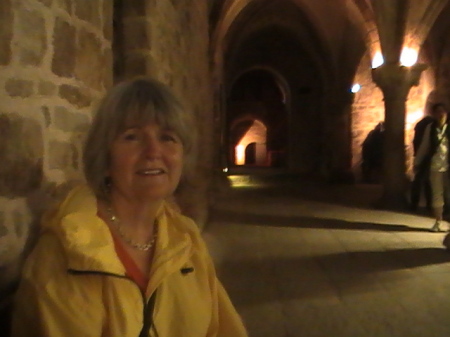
319	47
333	34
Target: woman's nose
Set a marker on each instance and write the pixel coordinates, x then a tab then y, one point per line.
152	147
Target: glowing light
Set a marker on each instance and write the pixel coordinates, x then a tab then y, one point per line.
378	60
225	169
413	117
256	136
409	57
240	154
356	87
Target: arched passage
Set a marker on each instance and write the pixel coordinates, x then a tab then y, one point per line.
251	145
257	113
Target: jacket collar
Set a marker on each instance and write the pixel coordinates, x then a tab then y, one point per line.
86	239
88	243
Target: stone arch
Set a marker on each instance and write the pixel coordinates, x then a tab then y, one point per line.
258	98
249	142
278	79
317	101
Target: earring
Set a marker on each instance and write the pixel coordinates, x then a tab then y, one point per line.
107	184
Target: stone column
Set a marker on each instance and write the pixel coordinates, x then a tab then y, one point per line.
395	81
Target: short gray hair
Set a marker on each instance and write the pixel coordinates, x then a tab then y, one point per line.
141	100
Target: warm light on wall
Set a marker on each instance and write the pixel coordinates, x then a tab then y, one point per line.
413	117
378	60
240	154
256	135
409	57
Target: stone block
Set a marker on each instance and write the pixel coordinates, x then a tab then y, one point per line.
108	13
107	75
3	229
65	5
89	63
33	38
133	8
6	31
19	223
88	10
75	156
69	121
63	63
137	64
137	34
21	153
46	88
19	88
61	155
11	247
47	3
186	21
45	111
74	95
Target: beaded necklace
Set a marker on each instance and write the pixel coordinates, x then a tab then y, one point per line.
139	246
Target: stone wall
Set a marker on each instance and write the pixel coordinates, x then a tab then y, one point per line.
47	87
367	111
56	61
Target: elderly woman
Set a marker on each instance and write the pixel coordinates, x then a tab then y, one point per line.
115	258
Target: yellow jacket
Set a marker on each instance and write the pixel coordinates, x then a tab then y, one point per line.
73	283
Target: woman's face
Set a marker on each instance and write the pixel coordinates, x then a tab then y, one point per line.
146	162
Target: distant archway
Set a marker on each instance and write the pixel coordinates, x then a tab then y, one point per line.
250	148
257	113
250	154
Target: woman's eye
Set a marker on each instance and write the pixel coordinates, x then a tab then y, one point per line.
130	135
169	137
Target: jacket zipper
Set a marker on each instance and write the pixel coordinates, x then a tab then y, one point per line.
148	306
148	316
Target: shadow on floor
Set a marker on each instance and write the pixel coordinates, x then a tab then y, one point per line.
354	195
307	222
258	281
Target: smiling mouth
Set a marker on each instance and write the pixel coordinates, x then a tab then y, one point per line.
151	172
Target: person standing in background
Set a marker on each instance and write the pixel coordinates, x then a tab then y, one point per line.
421	181
433	157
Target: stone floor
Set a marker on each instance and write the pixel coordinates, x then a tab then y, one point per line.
309	260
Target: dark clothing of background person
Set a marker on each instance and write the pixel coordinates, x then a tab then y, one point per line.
372	154
421	181
419	130
433	157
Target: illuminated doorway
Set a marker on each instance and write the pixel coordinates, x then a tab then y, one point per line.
250	149
257	121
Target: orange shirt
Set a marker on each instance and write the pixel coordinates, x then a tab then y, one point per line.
131	269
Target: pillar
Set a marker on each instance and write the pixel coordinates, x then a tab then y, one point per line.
395	81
